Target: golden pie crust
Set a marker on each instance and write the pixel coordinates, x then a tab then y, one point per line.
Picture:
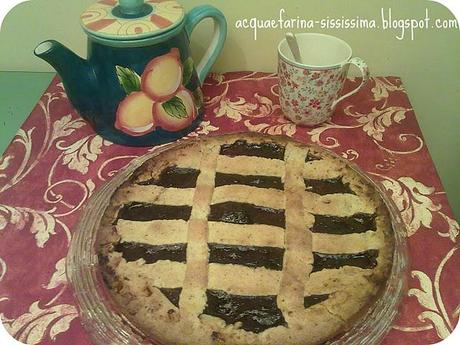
245	239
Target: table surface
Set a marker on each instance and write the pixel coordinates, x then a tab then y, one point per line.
56	155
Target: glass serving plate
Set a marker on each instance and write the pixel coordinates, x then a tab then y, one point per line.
105	324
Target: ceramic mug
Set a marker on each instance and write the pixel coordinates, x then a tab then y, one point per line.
310	90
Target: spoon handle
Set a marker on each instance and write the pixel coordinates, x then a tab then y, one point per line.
292	41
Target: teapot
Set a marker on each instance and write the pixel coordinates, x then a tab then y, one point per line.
139	85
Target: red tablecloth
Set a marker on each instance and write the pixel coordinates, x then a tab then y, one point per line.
56	162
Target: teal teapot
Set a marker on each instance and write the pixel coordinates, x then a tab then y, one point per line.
139	85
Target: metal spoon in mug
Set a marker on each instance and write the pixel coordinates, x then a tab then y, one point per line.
293	45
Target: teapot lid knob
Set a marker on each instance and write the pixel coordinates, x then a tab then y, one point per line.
131	7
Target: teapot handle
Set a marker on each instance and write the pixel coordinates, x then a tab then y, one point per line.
195	16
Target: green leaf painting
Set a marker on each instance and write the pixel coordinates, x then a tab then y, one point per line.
175	108
188	71
129	80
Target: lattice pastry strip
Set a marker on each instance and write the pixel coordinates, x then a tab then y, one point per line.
193	298
298	258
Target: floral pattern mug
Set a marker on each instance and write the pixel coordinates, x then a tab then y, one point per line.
310	89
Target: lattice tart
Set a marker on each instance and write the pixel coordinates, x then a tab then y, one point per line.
245	239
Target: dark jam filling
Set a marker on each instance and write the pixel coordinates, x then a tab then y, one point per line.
311	157
249	180
144	212
366	260
308	301
250	256
328	186
256	313
132	251
172	295
243	148
242	213
357	223
174	177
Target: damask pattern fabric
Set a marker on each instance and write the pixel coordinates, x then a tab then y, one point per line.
56	162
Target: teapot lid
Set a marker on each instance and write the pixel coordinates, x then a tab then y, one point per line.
131	19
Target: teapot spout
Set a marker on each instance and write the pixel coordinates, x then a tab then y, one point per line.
76	73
